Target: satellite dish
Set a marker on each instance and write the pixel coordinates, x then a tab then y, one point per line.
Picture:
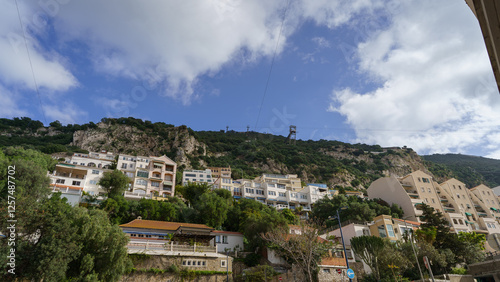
494	241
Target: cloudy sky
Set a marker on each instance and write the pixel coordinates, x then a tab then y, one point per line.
394	73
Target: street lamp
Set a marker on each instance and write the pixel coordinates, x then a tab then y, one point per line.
342	237
413	247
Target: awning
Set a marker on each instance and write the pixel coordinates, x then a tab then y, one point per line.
493	209
260	198
416	204
236	197
272	200
468	213
250	198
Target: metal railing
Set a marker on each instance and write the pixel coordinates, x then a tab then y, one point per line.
170	247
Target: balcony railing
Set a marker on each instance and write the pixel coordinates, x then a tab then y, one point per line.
132	195
170	247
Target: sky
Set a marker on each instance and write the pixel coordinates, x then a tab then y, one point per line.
395	73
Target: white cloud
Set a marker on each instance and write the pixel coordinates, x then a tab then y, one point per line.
66	113
437	90
179	40
48	67
9	104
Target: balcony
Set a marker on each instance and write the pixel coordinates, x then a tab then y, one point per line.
167	188
167	247
168	182
136	196
443	199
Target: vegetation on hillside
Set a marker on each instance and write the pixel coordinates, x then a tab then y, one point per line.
250	154
471	170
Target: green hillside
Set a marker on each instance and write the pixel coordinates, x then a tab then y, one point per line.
352	166
471	170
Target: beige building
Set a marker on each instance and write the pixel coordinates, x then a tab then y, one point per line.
408	192
458	207
487	13
289	181
222	178
466	210
150	177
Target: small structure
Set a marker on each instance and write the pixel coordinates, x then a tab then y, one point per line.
227	241
185	244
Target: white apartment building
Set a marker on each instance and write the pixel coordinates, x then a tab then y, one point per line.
197	176
81	172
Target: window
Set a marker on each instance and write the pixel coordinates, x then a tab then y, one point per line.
271	193
217	239
419	179
326	270
259	192
76	183
95	171
93	182
425	180
190	175
454	187
60	181
224	240
455	221
282	194
390	230
426	200
155	184
141	182
303	197
124	166
459	187
433	201
429	190
381	231
458	196
423	189
468	206
141	173
223	263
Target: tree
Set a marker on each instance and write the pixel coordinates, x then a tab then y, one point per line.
291	218
193	191
369	249
305	249
212	209
114	183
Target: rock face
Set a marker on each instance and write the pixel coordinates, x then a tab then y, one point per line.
175	142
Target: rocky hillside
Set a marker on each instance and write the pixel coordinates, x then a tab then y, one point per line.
249	154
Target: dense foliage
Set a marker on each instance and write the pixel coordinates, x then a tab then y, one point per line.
357	209
54	241
471	170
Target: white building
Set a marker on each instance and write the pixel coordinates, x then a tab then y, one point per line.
227	241
197	176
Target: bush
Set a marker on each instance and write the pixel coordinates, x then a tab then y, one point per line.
252	260
458	270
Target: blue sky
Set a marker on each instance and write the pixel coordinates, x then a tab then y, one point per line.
394	73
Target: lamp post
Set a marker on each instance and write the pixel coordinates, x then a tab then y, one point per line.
342	237
414	252
227	265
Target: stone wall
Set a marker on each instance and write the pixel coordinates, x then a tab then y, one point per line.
144	264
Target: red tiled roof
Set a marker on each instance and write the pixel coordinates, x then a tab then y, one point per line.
408	221
162	225
333	261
